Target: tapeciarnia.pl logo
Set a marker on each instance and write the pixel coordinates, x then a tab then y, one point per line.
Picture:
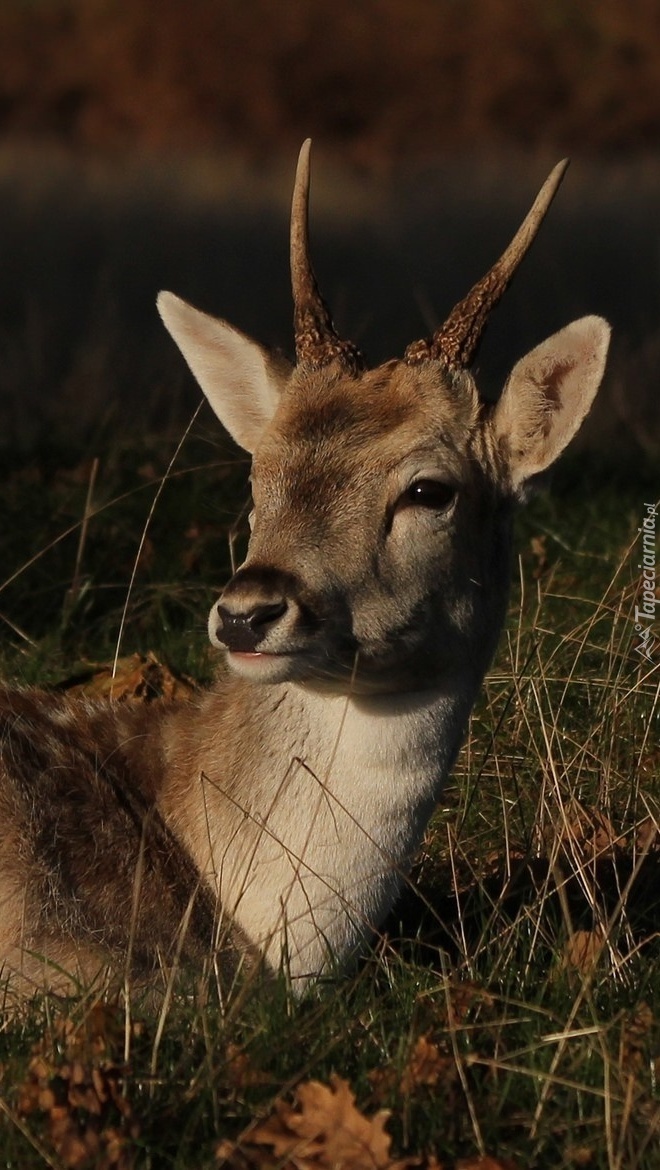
645	612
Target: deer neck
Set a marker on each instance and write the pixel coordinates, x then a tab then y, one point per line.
304	809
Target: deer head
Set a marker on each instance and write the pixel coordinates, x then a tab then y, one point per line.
379	550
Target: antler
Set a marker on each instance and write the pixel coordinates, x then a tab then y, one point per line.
317	343
455	343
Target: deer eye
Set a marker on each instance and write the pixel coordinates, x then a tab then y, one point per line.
428	493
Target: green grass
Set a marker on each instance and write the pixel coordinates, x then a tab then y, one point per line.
542	854
63	600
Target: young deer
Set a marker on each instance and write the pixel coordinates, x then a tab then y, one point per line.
278	813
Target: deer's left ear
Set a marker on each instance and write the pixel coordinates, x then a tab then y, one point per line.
237	376
548	395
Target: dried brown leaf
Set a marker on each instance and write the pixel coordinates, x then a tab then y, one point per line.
427	1065
322	1129
240	1070
647	838
465	997
579	1155
139	677
589	833
583	949
78	1089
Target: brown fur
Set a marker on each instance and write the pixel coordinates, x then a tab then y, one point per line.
277	814
90	868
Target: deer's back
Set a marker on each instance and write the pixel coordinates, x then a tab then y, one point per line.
86	861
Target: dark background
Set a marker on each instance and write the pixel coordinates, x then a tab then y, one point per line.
153	145
377	79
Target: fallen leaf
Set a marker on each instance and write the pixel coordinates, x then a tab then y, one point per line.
77	1087
322	1130
140	677
579	1155
647	838
240	1070
589	833
427	1065
465	997
583	949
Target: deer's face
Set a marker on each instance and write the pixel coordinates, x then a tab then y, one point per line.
378	559
378	552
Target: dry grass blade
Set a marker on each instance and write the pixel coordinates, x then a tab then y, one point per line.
73	592
152	509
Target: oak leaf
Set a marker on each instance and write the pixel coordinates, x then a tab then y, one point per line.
323	1130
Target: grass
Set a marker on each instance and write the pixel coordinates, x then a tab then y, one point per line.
62	605
508	1008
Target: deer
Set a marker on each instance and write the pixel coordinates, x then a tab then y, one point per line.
272	819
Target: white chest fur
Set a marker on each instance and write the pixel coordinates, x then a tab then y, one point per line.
307	843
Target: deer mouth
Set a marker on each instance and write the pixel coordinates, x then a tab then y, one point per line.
264	666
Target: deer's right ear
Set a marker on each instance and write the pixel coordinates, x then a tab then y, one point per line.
234	372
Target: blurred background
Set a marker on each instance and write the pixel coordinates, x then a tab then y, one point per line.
148	145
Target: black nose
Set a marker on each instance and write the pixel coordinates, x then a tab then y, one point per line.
242	631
